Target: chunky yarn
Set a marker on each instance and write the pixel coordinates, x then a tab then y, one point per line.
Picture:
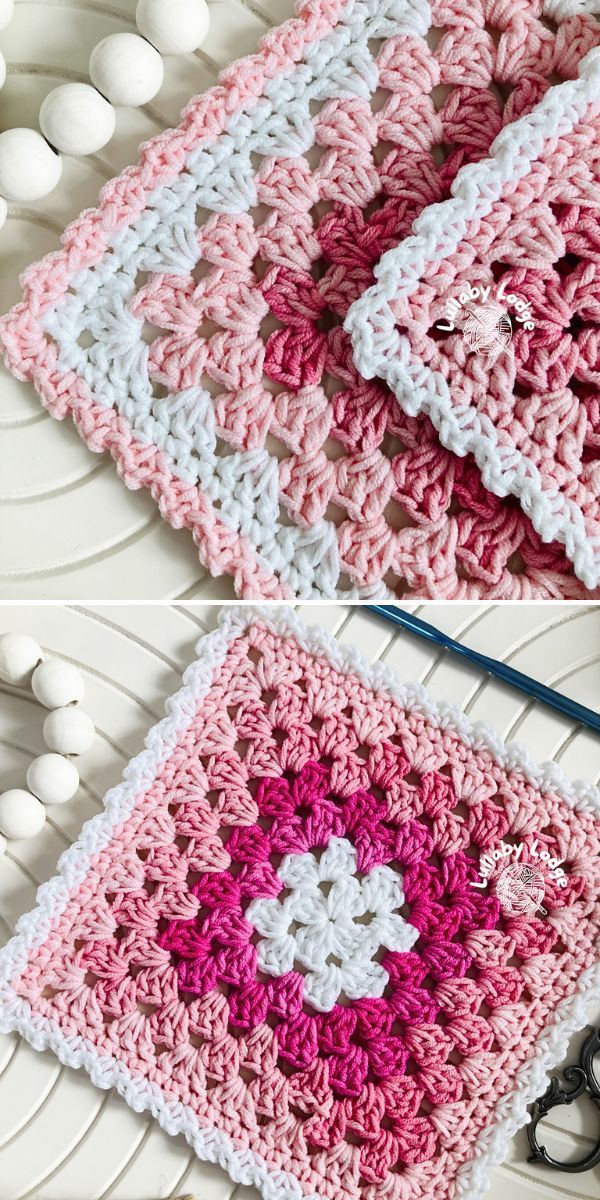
269	938
192	325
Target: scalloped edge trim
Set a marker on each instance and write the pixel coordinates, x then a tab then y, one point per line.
380	350
209	1143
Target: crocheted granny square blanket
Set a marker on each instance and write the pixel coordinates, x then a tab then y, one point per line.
270	938
435	325
192	325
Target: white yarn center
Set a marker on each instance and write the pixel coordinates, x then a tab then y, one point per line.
331	924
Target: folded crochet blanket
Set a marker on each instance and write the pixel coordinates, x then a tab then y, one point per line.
270	939
192	325
528	409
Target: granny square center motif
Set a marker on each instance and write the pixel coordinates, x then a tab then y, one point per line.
332	924
269	939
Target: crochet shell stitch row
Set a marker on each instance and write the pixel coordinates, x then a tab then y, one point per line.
269	939
193	325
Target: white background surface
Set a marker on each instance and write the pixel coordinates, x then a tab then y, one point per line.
61	1139
68	525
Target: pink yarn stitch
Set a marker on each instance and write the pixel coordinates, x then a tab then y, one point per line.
153	959
541	400
217	948
261	329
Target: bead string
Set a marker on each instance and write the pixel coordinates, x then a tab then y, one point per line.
68	731
126	69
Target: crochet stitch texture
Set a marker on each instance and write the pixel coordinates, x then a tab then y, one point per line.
193	324
296	817
528	411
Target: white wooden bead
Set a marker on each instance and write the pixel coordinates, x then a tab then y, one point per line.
29	168
3	845
2	70
21	815
68	731
52	778
19	655
7	8
3	211
76	119
56	684
174	28
126	69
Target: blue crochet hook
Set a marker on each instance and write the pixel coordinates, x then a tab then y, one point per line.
516	679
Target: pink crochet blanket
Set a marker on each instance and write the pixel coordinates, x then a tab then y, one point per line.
271	939
522	229
192	325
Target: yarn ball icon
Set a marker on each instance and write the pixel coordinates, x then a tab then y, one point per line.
520	888
488	330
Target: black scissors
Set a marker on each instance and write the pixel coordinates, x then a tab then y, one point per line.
585	1082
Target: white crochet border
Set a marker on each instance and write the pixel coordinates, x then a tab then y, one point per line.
379	348
211	1145
183	425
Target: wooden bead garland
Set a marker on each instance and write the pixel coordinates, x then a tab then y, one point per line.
21	814
19	656
56	684
51	778
79	118
76	119
68	731
29	167
126	69
178	27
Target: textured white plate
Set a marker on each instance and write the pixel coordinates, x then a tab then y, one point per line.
69	526
60	1139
